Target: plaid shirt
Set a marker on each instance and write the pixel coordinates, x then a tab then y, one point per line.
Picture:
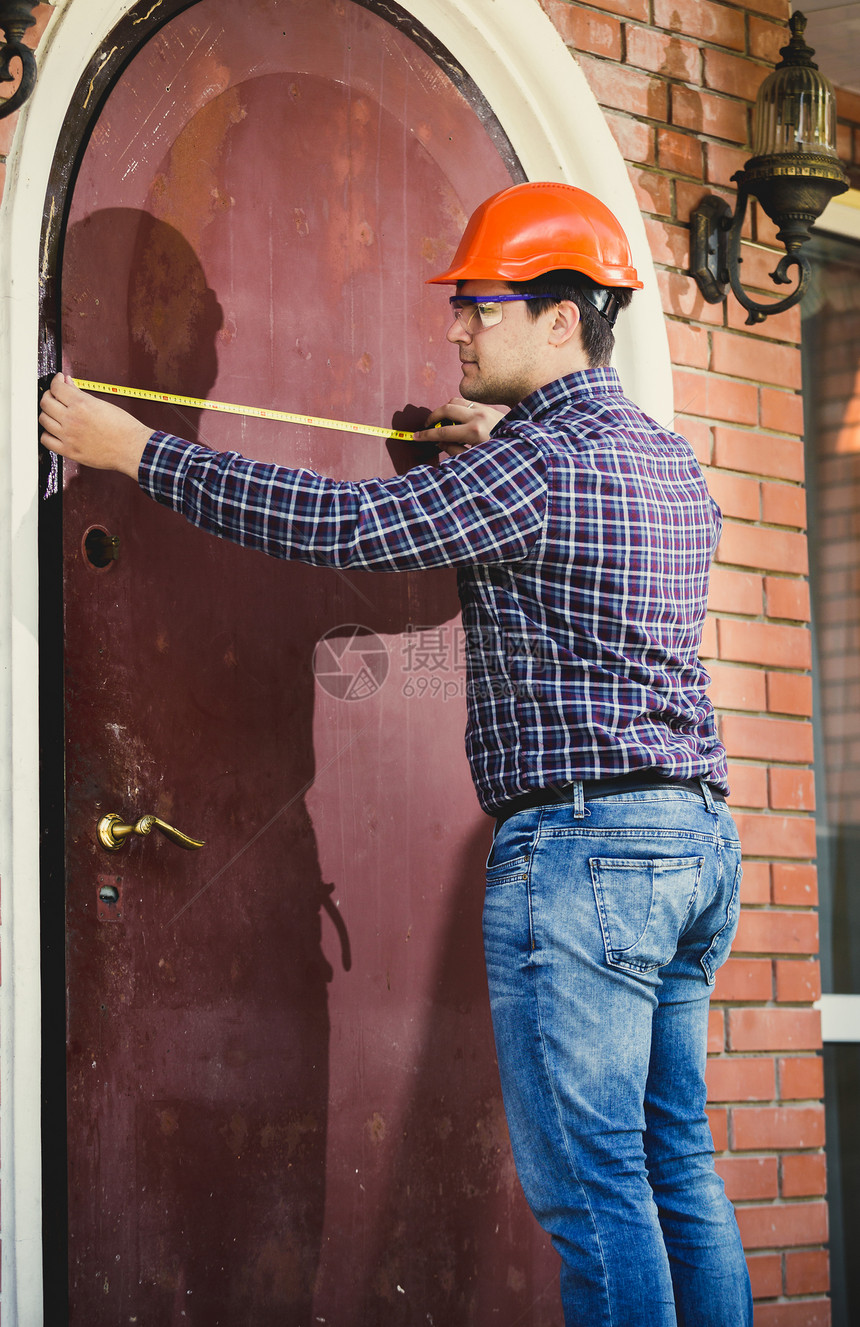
583	535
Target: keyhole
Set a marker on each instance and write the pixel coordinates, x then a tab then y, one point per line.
109	894
100	548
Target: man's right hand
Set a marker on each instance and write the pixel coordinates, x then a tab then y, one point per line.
93	432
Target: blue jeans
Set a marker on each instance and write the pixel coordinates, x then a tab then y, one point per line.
604	923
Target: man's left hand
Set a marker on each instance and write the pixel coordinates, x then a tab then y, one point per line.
468	424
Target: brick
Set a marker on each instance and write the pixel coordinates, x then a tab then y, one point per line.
689	195
798	1313
636	142
763	931
8	125
722	161
755	1127
760	642
624	89
736	688
688	344
653	190
716	1031
664	53
847	104
784	504
761	361
748	1178
705	394
767	739
735	495
792	790
680	296
767	39
586	30
703	20
759	454
706	113
804	1175
807	1271
801	1078
744	979
755	883
756	274
782	411
734	74
783	1225
708	648
764	546
777	836
776	8
765	1271
774	1029
719	1122
699	435
633	9
749	785
669	243
795	884
789	693
844	141
798	982
740	1078
787	597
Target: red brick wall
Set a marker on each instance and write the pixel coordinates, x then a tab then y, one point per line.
677	79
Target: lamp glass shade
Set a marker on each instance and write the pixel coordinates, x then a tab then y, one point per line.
795	112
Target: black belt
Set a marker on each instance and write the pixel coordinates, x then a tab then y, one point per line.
636	781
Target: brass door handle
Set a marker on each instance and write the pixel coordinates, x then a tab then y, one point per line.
113	833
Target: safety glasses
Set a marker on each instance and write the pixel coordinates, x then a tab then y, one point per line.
475	312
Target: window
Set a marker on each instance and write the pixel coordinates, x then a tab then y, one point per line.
831	386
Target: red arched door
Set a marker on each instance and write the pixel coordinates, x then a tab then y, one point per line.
282	1093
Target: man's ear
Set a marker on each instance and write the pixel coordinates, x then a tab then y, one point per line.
566	319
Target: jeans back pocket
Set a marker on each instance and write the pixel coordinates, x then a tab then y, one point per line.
643	905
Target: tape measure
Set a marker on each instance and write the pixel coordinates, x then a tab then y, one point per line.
284	416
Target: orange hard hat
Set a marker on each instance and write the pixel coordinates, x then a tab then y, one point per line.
534	228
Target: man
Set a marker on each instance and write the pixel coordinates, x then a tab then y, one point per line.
583	534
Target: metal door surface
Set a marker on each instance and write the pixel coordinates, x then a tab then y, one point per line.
282	1093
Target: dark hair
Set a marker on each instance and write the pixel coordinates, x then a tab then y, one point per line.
598	338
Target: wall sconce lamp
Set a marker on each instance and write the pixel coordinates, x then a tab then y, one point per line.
15	18
794	172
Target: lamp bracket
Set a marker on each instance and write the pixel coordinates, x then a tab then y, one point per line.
715	241
709	228
15	18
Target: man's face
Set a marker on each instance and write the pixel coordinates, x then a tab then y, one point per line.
501	364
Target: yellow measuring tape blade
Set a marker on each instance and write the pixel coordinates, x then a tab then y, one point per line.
141	394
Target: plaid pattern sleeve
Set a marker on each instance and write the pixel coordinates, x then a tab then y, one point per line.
582	533
487	505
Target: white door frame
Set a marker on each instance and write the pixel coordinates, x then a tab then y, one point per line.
541	98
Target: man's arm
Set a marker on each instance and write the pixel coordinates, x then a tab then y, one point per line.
93	432
487	506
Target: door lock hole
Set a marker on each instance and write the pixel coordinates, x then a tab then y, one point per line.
100	548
